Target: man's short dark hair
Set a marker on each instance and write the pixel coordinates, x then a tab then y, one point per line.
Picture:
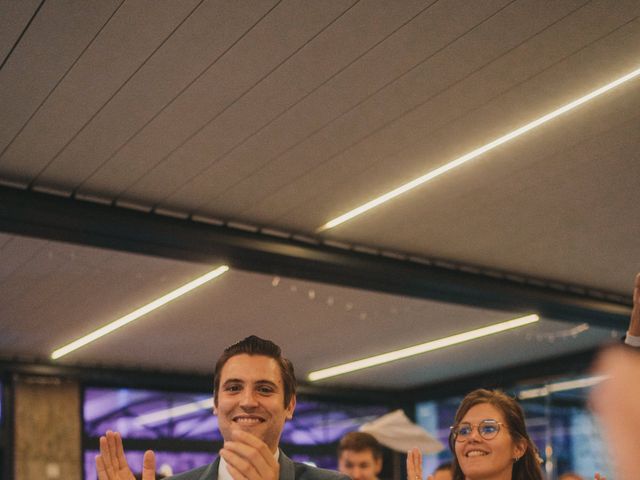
253	345
359	442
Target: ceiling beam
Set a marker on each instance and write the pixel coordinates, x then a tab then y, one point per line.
80	222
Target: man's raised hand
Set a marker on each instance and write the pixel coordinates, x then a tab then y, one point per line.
111	464
249	458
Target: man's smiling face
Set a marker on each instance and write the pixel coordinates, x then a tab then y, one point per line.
251	398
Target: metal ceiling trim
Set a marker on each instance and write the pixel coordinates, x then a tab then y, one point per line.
75	221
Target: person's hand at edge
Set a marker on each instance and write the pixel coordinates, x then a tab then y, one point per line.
614	400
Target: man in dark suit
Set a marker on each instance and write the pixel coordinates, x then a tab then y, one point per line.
254	394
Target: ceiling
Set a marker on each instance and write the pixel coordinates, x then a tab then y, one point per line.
251	124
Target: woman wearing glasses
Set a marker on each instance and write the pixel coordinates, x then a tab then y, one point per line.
489	441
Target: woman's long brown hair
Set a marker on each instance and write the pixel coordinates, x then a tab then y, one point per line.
528	466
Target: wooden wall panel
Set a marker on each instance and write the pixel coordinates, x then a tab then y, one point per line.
47	430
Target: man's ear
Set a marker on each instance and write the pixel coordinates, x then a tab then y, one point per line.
215	406
377	466
291	407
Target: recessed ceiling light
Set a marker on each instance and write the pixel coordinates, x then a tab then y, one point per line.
476	153
422	348
121	322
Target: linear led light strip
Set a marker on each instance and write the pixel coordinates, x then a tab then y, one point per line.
121	322
476	153
422	348
174	412
561	386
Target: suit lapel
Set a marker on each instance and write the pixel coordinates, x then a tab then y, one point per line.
287	468
211	473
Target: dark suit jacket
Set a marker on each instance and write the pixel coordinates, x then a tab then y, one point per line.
289	470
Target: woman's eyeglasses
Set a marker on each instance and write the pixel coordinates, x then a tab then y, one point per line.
487	429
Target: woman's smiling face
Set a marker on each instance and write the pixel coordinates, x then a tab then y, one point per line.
482	459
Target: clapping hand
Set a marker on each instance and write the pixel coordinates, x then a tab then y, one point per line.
414	464
249	458
111	464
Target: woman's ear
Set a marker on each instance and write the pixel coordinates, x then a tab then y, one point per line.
519	448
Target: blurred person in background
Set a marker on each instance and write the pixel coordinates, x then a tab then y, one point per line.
444	471
360	456
570	476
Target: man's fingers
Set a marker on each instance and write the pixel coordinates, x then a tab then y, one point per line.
111	450
101	469
112	458
235	473
148	466
246	438
251	455
122	460
239	467
105	456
